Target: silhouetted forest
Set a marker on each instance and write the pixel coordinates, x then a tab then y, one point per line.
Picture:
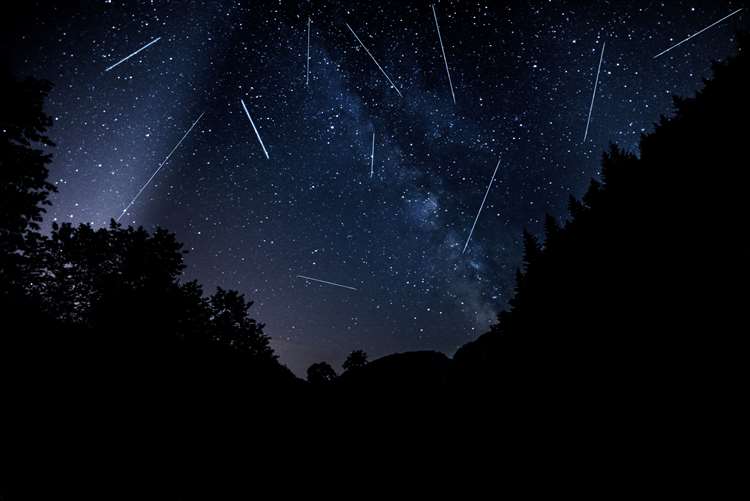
632	299
629	306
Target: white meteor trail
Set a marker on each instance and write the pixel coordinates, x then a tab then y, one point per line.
698	33
255	129
326	282
375	61
442	47
308	52
134	53
596	84
160	166
481	206
372	155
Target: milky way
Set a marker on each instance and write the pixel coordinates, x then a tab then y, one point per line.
387	217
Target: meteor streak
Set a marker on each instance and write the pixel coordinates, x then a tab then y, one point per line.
372	155
326	282
481	206
698	33
308	52
596	84
255	129
160	166
374	60
134	53
442	47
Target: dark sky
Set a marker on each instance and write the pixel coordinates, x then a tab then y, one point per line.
523	74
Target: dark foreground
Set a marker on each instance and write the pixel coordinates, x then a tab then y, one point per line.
624	333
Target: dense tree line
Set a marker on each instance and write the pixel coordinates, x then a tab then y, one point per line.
631	301
108	302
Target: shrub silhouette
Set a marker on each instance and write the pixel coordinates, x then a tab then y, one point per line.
355	360
320	373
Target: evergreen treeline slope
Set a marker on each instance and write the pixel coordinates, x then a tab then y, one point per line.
632	293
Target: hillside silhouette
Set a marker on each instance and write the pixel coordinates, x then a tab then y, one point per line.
633	299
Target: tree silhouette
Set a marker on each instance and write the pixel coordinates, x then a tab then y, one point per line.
232	326
531	249
108	303
356	359
320	373
615	305
551	230
24	189
83	276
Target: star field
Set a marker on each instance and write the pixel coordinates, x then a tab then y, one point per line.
523	74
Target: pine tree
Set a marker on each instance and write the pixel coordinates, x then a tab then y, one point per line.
531	249
575	207
551	229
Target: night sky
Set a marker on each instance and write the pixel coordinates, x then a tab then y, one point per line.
523	74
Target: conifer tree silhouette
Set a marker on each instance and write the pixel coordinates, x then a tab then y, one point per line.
617	302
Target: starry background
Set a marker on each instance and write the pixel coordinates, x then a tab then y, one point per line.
523	74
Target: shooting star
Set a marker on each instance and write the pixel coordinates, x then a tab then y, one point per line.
308	52
372	155
442	47
596	84
326	282
481	206
152	42
698	33
255	129
375	61
160	166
